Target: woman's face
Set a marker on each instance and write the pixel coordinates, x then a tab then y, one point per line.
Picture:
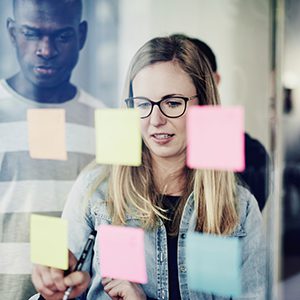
165	137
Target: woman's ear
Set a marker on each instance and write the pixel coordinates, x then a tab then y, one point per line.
217	77
11	28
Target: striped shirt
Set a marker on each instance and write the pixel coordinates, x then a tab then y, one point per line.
35	185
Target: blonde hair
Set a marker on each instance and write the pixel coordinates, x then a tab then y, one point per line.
132	190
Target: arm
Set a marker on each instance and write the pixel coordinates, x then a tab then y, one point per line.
253	253
50	282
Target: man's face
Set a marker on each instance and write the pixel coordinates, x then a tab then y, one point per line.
47	39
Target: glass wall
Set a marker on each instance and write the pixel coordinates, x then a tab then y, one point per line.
256	43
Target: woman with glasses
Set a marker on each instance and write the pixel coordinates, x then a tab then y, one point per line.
163	196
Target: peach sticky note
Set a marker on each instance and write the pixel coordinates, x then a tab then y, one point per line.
47	134
215	138
118	137
122	253
49	241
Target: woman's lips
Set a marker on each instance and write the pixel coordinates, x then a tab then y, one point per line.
162	138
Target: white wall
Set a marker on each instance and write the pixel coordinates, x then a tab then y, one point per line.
237	30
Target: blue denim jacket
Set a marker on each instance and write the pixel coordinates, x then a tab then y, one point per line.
250	232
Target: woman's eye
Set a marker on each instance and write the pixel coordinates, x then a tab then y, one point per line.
173	103
144	105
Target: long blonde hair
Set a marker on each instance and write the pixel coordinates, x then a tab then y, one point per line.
132	190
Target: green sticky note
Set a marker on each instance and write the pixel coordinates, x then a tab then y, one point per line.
118	137
49	241
213	264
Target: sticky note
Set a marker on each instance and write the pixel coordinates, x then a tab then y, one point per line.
213	264
122	253
215	138
49	241
118	137
47	134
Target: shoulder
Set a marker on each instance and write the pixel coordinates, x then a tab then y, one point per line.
255	149
90	175
85	192
249	213
4	90
89	100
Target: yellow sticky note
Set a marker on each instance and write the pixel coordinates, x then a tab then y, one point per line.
118	137
49	241
47	134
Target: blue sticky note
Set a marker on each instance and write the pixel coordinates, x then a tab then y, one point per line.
213	264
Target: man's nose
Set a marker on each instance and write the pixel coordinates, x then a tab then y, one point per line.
157	118
47	48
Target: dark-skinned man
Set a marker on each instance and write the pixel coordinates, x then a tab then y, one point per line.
47	36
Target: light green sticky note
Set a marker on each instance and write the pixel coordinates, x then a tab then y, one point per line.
118	137
49	241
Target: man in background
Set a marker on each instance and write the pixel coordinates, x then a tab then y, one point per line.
48	36
256	174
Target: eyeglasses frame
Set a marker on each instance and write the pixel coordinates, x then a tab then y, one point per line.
130	103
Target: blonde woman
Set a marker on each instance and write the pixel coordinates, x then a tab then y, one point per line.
164	197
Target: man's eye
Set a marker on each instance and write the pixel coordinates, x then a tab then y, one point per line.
64	37
31	35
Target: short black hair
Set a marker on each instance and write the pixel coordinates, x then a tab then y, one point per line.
75	4
204	48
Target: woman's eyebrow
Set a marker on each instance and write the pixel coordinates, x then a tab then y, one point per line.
171	95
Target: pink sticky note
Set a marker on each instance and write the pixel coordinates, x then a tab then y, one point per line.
122	253
47	134
215	138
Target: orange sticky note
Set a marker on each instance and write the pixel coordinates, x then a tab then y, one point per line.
122	253
47	133
215	138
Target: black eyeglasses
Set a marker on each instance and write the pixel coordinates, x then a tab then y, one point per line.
172	106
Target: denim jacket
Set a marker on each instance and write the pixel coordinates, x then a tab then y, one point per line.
249	231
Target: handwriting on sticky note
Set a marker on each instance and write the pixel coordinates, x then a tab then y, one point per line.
118	137
47	134
215	138
122	253
213	264
49	241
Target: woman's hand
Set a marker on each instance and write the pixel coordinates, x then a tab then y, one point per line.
51	283
123	290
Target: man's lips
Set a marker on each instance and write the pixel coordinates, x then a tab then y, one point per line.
45	70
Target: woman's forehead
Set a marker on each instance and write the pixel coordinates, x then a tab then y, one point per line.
163	77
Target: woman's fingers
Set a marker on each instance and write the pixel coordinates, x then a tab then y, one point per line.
123	289
72	261
112	283
58	279
79	281
106	280
39	283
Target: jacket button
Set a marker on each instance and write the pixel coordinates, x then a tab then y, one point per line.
183	235
182	269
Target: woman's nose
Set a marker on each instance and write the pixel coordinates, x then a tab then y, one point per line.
157	118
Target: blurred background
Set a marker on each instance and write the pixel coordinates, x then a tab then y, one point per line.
256	43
